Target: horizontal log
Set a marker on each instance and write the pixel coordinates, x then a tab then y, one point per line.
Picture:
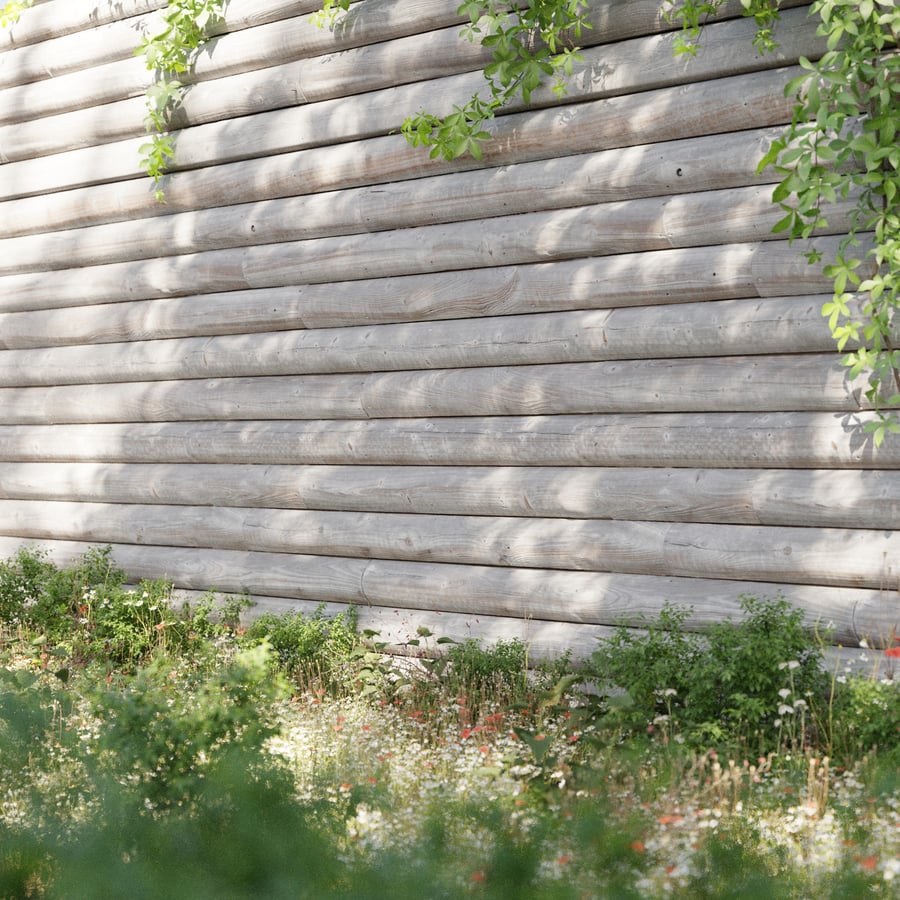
801	497
718	440
622	68
579	597
394	628
57	57
29	110
630	226
92	107
667	276
703	163
810	382
116	40
708	329
827	556
708	107
46	21
682	167
383	22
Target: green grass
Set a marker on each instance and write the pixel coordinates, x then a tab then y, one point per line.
194	759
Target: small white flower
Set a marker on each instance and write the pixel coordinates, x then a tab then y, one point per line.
784	693
891	869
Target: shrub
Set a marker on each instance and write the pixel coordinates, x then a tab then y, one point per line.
163	731
308	649
865	714
750	681
501	668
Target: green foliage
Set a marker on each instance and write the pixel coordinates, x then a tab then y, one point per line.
748	681
866	715
11	10
842	144
691	15
168	54
330	13
164	729
501	667
528	43
85	612
169	779
308	649
211	618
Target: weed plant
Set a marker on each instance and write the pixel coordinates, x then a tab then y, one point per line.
314	651
149	751
751	684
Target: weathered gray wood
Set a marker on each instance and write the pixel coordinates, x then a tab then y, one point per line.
572	181
579	597
723	328
73	126
621	306
546	641
723	440
46	21
270	87
21	108
63	55
802	497
837	557
669	276
810	382
672	166
630	226
625	67
106	43
704	108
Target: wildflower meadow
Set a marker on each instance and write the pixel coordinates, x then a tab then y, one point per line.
152	750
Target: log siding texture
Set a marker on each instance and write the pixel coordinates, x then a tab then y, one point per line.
536	395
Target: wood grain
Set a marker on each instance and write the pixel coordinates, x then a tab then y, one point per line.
855	499
718	440
708	329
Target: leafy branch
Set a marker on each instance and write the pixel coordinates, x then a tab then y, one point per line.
11	10
168	54
528	41
842	144
692	15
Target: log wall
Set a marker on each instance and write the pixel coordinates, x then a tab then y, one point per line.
535	395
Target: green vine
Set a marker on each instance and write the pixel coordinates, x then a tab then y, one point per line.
843	143
168	54
692	15
528	43
10	12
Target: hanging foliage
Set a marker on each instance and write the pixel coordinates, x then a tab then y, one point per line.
842	143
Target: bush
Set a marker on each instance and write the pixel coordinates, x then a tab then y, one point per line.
308	649
865	714
501	668
750	681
